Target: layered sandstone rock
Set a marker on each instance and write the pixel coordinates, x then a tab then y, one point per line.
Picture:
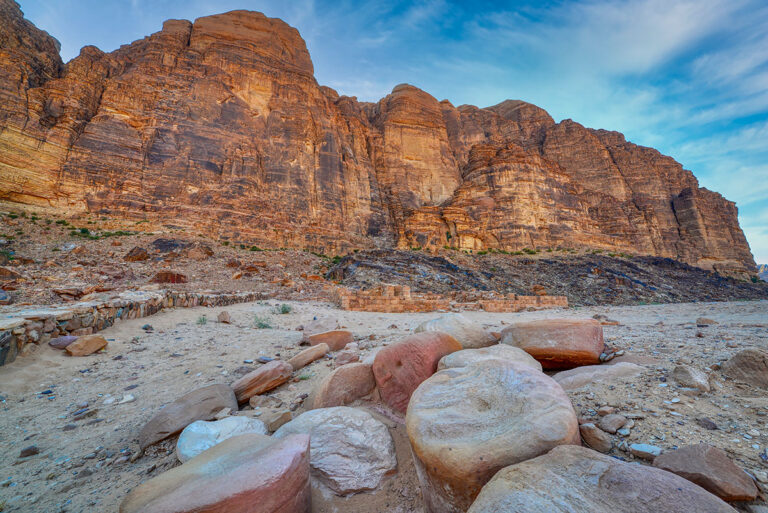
221	121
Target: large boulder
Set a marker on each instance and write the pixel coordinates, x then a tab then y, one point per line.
572	479
466	423
501	352
350	450
242	474
344	386
749	366
402	367
710	468
470	334
558	343
85	345
265	378
201	404
581	376
202	435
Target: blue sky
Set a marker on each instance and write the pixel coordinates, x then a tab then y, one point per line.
688	77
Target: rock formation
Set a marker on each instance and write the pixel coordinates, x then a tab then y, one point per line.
221	122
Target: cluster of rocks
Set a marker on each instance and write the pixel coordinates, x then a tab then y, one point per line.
488	428
24	326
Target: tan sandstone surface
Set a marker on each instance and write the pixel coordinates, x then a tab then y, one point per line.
84	464
220	122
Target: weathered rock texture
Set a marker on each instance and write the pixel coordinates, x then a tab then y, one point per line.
570	478
222	121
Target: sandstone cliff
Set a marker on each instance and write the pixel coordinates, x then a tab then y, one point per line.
218	126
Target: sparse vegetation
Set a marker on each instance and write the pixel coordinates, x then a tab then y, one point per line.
202	320
262	322
283	309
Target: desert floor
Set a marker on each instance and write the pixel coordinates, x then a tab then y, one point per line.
85	465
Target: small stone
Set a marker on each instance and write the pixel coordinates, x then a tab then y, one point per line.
644	451
127	398
29	451
623	432
62	342
595	438
703	322
275	419
264	359
345	357
224	317
225	412
612	423
605	410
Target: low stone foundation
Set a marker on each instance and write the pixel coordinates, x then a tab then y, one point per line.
398	298
36	325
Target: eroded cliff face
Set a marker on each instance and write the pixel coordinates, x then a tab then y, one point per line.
219	126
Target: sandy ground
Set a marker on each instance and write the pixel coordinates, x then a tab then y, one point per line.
84	465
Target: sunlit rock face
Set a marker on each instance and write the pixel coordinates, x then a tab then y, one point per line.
220	122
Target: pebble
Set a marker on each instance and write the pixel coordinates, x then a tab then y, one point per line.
127	398
264	359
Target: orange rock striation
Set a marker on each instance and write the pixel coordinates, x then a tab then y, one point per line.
221	122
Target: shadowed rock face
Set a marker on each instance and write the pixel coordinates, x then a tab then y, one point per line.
221	122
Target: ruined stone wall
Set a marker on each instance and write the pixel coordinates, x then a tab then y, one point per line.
20	328
399	298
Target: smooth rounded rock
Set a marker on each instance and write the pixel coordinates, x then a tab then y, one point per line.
501	352
351	451
242	474
202	435
558	343
595	437
200	404
572	479
470	334
466	423
402	367
344	386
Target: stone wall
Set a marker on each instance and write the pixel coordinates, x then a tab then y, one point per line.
398	298
36	325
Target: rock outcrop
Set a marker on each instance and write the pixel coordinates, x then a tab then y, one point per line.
221	120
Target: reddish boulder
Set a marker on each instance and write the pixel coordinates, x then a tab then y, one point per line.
263	379
242	474
344	386
558	343
710	468
200	404
335	339
402	367
86	345
168	277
